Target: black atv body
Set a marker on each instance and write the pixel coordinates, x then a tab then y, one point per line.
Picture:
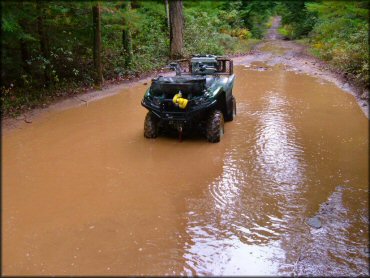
200	97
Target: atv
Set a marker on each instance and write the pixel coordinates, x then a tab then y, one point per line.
198	96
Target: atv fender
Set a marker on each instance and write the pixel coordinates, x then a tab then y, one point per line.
228	88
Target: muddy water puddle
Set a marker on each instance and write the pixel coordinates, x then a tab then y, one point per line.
274	48
85	193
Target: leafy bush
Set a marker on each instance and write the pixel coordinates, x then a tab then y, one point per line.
340	37
201	36
337	32
296	19
287	31
241	33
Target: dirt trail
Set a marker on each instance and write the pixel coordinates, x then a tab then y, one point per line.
84	193
295	57
272	33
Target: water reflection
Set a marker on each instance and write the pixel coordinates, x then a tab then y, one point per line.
278	154
242	226
117	204
251	219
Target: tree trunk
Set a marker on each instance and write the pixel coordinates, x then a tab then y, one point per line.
44	42
135	4
176	29
127	39
167	13
97	45
25	53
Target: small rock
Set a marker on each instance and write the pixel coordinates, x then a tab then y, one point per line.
145	83
314	222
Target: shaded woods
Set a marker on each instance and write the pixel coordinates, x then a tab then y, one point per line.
52	49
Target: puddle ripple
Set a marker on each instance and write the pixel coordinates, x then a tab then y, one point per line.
85	194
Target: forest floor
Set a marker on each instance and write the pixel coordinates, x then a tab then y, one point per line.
272	50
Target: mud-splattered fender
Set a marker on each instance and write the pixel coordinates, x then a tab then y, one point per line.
229	84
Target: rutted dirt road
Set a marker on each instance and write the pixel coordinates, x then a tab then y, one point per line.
84	193
295	57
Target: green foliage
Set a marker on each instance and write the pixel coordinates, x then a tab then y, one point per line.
297	20
337	32
287	31
30	77
255	15
216	27
340	36
150	39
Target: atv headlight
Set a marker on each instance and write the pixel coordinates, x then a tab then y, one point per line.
156	101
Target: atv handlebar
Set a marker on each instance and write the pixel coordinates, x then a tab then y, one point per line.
174	66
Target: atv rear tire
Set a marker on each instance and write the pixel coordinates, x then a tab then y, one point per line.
232	113
150	126
215	126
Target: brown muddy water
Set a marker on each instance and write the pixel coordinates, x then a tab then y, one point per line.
85	193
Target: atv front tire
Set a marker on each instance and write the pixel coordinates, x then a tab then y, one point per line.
215	126
150	126
232	113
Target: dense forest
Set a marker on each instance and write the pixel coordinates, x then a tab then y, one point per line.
55	48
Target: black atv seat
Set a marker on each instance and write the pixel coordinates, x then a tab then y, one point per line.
172	85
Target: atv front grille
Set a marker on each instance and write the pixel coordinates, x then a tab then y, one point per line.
167	105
